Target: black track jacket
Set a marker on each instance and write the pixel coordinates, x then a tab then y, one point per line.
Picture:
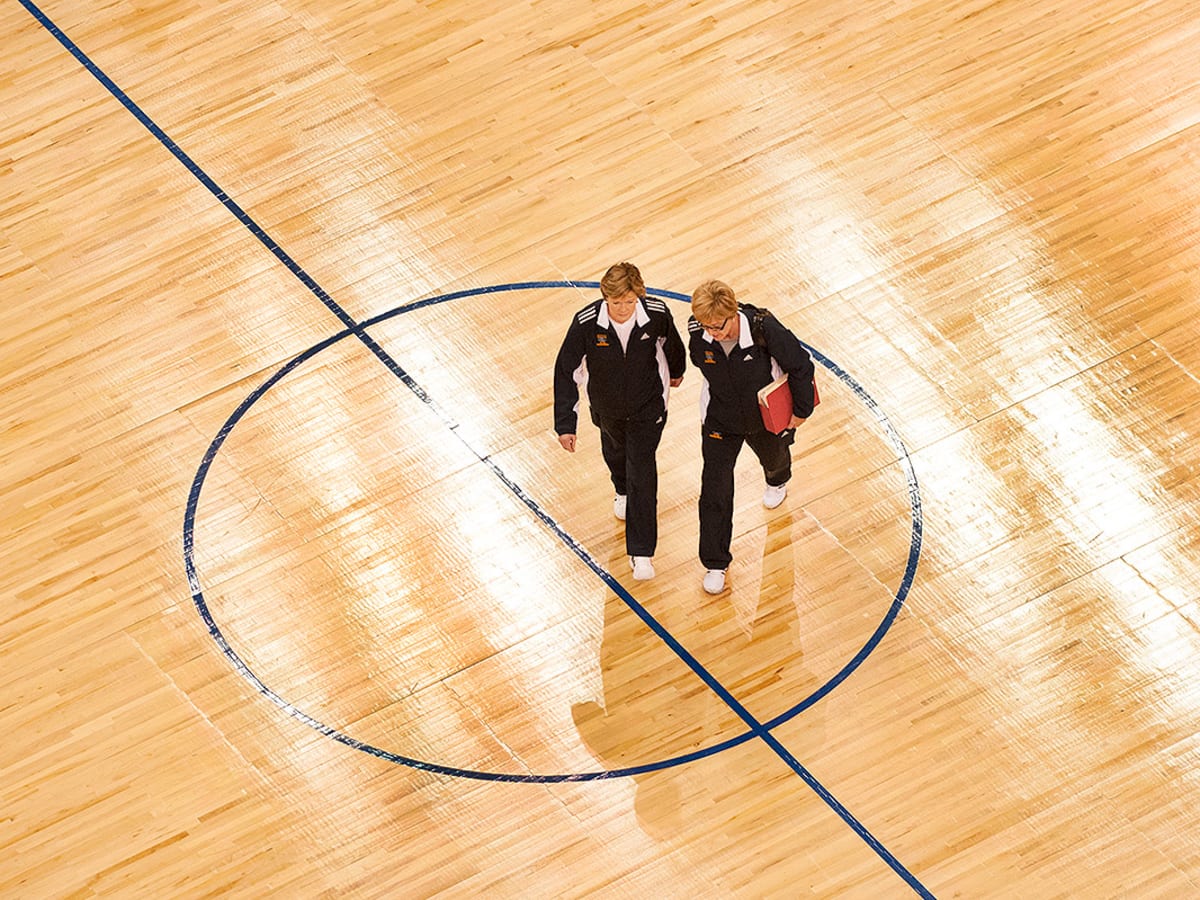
729	397
621	384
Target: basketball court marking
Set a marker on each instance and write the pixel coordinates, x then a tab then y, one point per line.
893	436
331	731
359	330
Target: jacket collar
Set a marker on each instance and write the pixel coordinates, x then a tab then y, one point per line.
745	338
640	315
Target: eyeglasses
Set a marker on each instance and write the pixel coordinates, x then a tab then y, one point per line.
712	329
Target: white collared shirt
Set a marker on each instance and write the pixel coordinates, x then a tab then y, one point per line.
623	329
744	339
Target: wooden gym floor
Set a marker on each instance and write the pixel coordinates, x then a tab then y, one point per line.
300	596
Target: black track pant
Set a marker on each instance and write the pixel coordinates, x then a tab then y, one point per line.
629	449
716	484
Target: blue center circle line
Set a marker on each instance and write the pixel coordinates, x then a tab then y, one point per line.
600	571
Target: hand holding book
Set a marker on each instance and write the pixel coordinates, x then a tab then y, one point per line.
775	404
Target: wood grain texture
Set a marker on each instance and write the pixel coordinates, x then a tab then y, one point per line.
983	212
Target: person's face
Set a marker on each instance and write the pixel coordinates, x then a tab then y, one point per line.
724	328
621	309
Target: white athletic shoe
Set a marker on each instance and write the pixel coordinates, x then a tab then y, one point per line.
619	506
714	581
643	568
774	495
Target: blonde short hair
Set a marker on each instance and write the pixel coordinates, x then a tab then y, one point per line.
620	279
713	300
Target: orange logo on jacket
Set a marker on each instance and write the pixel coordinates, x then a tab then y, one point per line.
709	359
601	339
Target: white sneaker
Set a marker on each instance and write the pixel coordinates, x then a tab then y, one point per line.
643	568
714	581
619	506
774	495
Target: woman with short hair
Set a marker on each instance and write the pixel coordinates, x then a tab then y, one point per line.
626	349
740	349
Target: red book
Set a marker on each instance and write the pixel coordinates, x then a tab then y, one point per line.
775	404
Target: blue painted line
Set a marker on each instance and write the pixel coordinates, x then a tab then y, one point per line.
701	753
914	549
359	332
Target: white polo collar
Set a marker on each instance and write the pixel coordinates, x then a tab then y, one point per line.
745	338
640	315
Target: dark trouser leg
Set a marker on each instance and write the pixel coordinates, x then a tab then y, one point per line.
641	477
774	451
612	448
716	498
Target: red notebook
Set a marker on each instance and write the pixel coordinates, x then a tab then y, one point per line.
775	404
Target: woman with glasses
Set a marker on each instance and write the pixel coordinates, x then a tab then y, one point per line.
740	349
626	349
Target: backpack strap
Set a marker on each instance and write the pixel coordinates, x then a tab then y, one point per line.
758	332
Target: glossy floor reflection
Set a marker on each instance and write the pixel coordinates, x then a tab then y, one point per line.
982	216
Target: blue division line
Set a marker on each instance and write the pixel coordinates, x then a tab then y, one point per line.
756	727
